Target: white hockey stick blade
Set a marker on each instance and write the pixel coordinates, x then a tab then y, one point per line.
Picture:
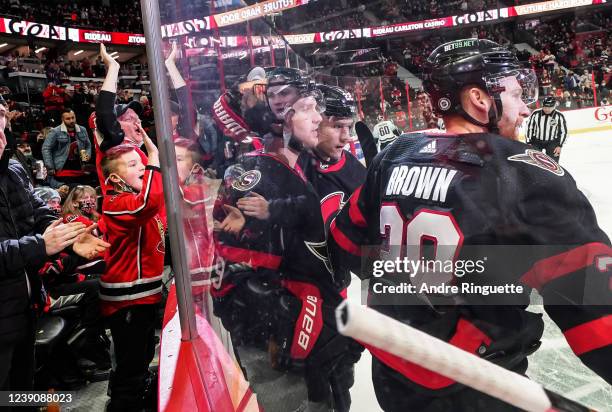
373	328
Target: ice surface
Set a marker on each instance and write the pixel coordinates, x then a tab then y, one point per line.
588	157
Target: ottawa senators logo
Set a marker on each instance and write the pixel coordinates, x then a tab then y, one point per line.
247	180
161	245
538	159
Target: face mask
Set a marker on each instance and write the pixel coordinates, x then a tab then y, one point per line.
56	210
196	174
124	187
87	207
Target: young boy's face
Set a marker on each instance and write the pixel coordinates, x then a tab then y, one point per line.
131	169
184	163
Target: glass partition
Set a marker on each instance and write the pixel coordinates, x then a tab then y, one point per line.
247	111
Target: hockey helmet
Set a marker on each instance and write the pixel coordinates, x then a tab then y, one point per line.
484	63
279	80
549	101
338	102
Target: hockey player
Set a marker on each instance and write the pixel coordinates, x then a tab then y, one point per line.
547	128
336	173
282	89
277	277
476	192
385	132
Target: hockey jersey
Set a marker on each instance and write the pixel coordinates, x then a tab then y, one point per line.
292	240
471	197
334	182
135	259
198	235
385	133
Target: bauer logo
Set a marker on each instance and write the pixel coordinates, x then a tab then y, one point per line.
538	159
247	180
444	104
308	321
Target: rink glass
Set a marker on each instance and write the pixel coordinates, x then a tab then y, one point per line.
216	60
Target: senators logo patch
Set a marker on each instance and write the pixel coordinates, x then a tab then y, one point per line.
161	245
538	159
247	180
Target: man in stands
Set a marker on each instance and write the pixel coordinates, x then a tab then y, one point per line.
54	97
29	234
24	155
65	150
114	124
473	192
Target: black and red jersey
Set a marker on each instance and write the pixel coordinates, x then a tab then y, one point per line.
292	241
135	259
334	181
480	197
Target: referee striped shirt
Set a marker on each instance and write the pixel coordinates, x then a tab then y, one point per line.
547	127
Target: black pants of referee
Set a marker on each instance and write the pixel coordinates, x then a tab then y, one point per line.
548	146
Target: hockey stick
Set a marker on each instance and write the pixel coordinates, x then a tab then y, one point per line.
366	140
373	328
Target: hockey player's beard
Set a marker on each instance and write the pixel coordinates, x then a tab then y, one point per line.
509	130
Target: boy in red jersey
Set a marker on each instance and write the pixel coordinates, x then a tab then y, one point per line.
130	288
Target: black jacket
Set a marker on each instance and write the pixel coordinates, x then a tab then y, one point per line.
23	219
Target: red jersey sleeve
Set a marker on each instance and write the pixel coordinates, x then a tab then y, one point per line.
136	209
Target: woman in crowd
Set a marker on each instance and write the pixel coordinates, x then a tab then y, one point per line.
81	205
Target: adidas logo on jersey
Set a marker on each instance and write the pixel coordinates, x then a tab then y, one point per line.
430	147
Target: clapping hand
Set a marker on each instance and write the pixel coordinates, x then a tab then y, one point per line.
88	245
58	236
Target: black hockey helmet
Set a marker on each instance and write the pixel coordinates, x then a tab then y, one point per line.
484	63
338	102
287	76
549	101
279	80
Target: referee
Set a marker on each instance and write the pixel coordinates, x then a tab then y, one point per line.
547	129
